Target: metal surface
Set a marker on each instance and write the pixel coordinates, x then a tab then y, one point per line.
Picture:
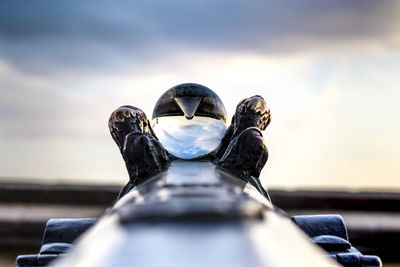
57	239
66	230
316	225
139	230
187	179
329	232
251	243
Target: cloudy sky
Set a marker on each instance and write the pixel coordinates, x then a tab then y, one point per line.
329	71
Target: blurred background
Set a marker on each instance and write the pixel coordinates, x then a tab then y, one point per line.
329	71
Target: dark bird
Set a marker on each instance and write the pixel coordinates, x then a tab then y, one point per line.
143	154
242	149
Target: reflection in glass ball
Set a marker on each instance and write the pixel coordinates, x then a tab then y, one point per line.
188	139
189	120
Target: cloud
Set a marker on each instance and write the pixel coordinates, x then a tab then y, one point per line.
328	70
32	107
100	36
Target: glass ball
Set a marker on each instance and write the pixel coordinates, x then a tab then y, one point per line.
189	120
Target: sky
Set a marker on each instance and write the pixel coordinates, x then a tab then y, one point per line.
327	69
